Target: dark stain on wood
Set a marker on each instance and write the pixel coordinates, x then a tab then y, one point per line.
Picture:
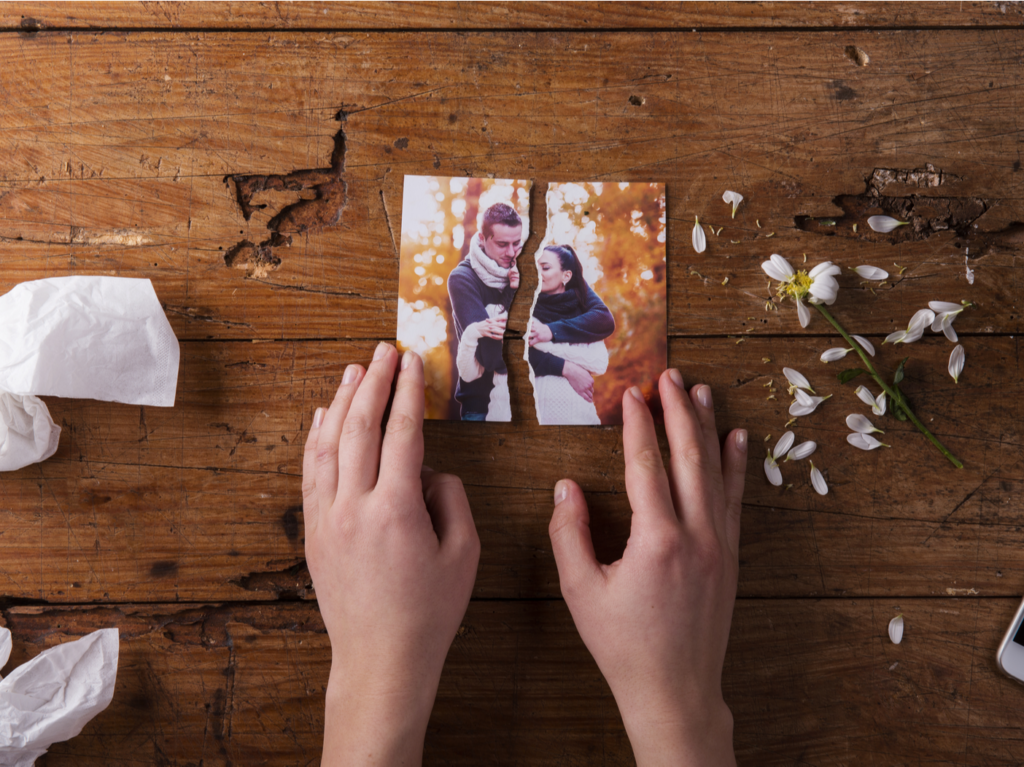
164	569
290	522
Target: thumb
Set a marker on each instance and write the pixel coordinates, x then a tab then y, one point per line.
449	511
570	539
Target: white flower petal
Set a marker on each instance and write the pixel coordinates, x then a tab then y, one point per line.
895	338
863	441
860	423
797	379
796	409
735	198
884	223
826	268
970	272
922	318
803	397
865	396
825	289
871	273
879	406
773	472
699	240
942	307
947	330
785	443
833	354
782	265
803	313
801	451
956	363
865	344
896	629
818	481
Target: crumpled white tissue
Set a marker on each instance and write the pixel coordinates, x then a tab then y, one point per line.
103	338
53	696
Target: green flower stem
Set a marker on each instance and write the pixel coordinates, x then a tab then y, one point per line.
897	397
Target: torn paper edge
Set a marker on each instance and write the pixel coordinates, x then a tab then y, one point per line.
536	295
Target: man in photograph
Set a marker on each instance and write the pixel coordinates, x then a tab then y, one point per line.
481	289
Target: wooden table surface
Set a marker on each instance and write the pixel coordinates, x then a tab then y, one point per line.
125	134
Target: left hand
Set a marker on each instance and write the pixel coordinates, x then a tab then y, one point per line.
393	551
539	333
513	278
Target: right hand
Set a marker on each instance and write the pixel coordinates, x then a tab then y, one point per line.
657	621
492	328
580	380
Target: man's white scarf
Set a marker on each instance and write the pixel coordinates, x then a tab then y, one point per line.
486	268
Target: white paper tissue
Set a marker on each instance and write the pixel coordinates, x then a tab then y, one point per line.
53	696
103	338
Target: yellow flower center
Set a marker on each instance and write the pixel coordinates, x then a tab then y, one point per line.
798	286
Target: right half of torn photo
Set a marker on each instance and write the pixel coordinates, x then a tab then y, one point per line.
598	323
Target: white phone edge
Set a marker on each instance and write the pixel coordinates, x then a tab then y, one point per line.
1010	655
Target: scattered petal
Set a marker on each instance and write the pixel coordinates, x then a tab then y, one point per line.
805	404
796	380
700	242
945	313
896	629
801	451
879	406
942	307
735	198
772	471
785	443
885	223
865	396
921	320
818	481
956	363
803	313
864	441
871	273
970	272
861	424
836	353
865	344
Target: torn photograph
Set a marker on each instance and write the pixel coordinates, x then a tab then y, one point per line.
457	277
598	323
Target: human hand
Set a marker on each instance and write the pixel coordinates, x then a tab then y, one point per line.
493	328
393	554
513	278
580	380
539	333
657	621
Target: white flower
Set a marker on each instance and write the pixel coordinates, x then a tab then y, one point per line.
885	223
956	363
796	380
871	273
805	404
801	451
818	481
877	404
859	423
896	629
864	441
970	272
771	463
835	353
945	313
819	286
921	319
699	240
865	344
735	198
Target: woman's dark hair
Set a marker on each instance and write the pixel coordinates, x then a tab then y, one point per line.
569	261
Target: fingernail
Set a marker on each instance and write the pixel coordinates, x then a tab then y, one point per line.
676	376
741	440
635	391
704	395
351	372
407	358
380	351
426	468
561	491
318	417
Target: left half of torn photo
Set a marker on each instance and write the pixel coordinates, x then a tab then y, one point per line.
461	239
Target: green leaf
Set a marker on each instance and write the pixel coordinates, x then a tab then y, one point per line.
848	375
899	371
900	415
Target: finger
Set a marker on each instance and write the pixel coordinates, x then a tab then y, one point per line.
402	452
329	437
359	452
734	474
310	501
446	502
696	490
704	407
646	481
571	541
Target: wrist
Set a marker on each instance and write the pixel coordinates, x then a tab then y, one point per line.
702	737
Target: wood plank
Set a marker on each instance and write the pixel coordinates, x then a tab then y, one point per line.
807	680
124	171
203	501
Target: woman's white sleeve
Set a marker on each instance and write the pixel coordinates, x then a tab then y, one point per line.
465	361
591	357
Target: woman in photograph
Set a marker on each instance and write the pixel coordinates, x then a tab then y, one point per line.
566	340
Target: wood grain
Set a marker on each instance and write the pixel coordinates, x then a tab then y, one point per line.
246	684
